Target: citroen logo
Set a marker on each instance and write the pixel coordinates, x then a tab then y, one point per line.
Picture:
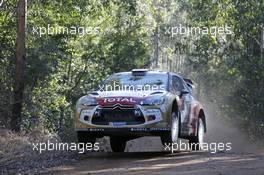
117	106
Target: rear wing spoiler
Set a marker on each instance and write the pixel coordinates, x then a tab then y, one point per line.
189	82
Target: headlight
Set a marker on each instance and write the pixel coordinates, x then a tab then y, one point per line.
153	101
87	101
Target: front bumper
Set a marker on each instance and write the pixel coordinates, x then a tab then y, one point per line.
124	132
117	117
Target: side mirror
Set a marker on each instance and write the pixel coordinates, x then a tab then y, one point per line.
181	93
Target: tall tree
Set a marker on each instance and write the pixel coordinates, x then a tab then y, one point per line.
20	66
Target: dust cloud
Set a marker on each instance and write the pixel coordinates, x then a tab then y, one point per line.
218	131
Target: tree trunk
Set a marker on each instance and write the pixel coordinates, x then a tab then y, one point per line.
156	47
20	67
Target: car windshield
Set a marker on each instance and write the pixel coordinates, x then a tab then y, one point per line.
128	81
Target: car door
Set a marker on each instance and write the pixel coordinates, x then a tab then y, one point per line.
185	98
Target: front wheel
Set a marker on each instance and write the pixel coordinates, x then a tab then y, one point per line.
197	141
117	144
84	138
173	135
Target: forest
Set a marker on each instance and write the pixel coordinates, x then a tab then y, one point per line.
72	45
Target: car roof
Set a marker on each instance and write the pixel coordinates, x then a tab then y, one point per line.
152	72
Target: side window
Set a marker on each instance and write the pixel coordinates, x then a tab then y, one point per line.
177	84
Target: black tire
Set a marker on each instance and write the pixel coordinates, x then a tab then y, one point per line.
85	137
117	144
196	142
172	137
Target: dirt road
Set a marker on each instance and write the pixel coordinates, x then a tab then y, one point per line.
182	163
147	156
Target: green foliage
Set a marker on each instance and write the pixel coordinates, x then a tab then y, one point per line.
232	65
61	67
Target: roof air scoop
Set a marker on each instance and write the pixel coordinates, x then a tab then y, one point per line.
139	72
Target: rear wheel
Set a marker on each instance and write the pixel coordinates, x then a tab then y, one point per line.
196	142
173	135
117	144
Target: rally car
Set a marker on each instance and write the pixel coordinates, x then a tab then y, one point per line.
138	103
